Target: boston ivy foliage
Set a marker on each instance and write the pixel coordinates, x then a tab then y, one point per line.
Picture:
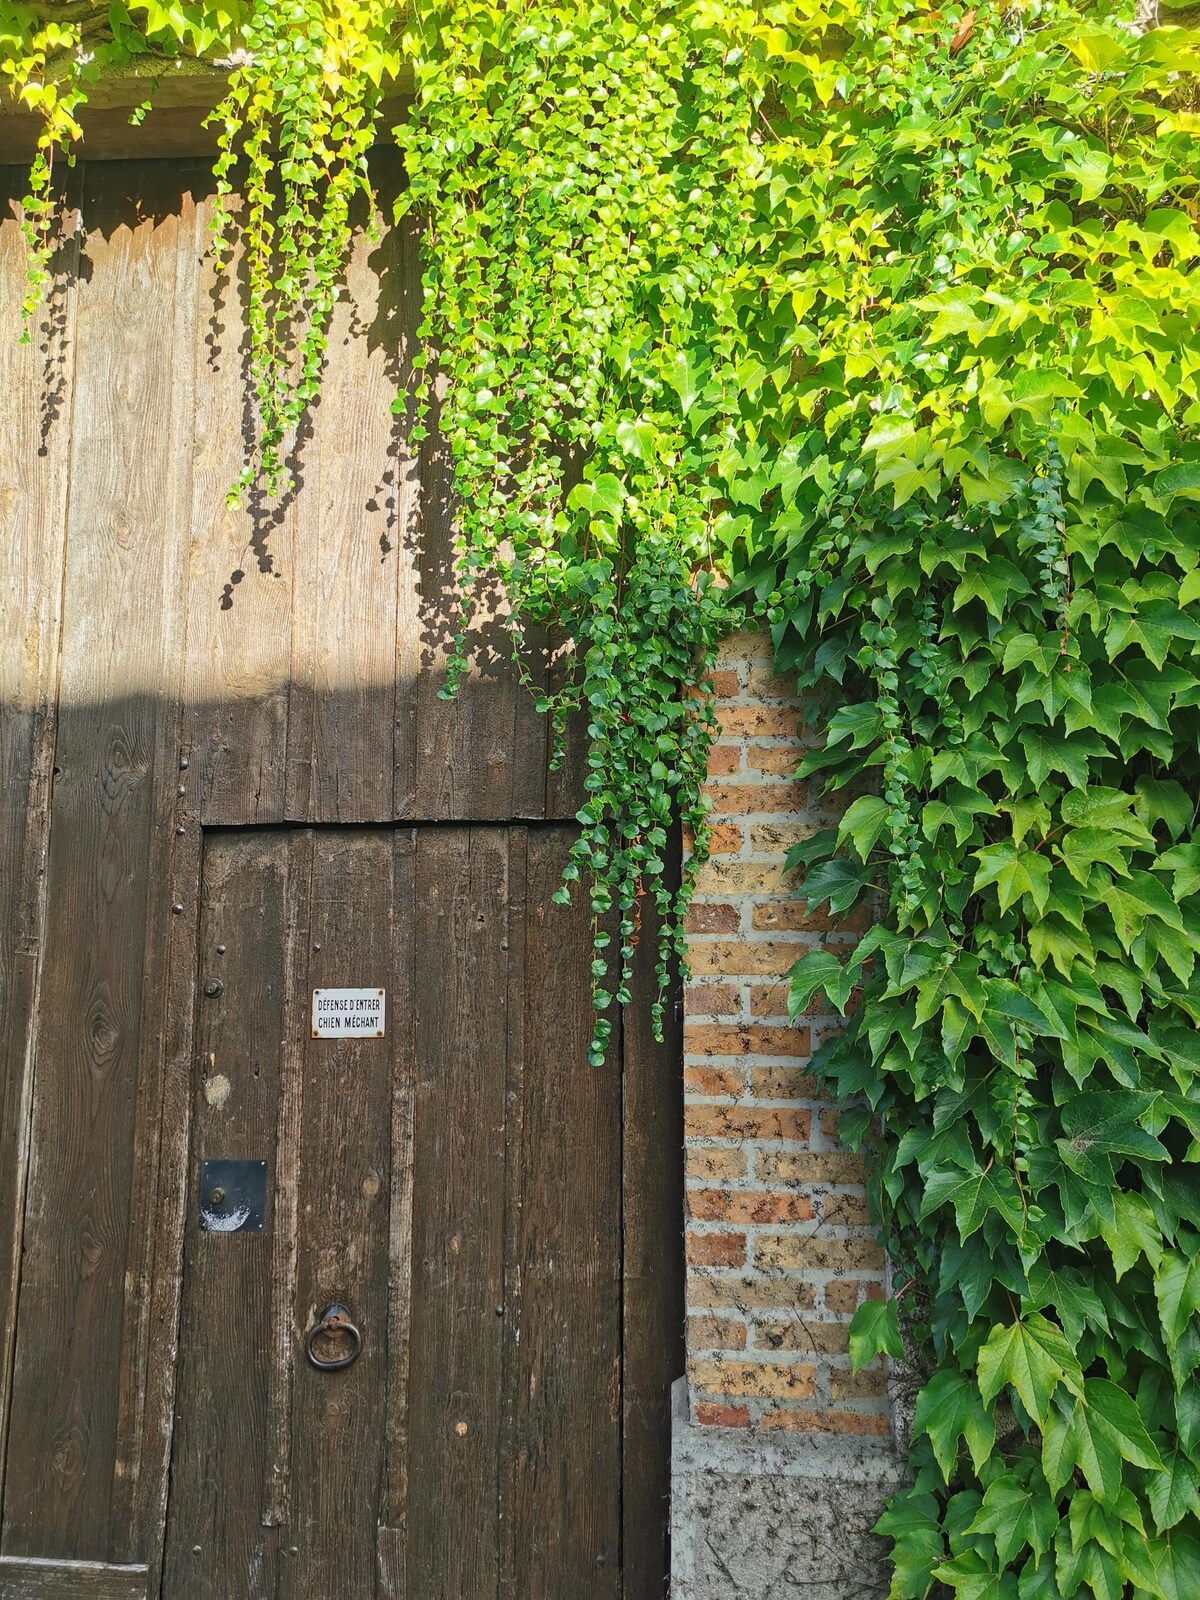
889	317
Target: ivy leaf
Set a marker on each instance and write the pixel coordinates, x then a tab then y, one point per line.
1102	1430
1177	1567
973	1195
863	824
1172	1492
875	1330
838	881
1101	1124
1177	1290
1015	873
1074	1302
819	969
1018	1515
1034	1357
949	1408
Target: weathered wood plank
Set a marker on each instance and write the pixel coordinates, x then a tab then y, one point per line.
242	573
67	1366
215	1543
36	383
32	1579
337	1417
652	1254
458	1212
565	1179
341	758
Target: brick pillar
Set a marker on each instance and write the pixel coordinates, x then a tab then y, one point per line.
780	1250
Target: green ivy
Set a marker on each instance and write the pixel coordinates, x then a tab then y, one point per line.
883	323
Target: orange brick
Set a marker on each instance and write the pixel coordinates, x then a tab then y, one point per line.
869	1384
769	1000
748	644
792	916
714	1163
763	1378
769	685
802	1166
755	799
873	1423
726	838
783	1083
718	1416
715	1249
711	999
781	760
716	1039
831	1122
725	683
846	1296
746	1122
716	1333
846	1211
759	722
817	1338
749	1293
749	958
724	759
801	1252
713	917
714	1080
730	1205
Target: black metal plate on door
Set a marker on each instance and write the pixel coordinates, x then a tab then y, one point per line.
233	1196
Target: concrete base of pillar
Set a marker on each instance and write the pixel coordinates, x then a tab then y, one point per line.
776	1517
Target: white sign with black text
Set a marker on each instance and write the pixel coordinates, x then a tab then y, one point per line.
347	1013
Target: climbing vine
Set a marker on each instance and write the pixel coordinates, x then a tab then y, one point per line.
883	322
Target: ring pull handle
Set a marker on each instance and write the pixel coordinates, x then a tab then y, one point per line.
334	1323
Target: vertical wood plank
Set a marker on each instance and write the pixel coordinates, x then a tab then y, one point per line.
241	572
66	1386
653	1289
565	1187
215	1543
344	1212
458	1212
36	393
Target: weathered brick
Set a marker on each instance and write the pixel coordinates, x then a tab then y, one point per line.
743	958
747	1122
766	684
759	722
780	760
726	838
749	644
869	1384
874	1424
715	1249
793	916
777	838
725	682
803	1166
714	1415
805	1251
724	759
716	1039
769	1000
714	1081
830	1122
734	1205
764	1379
846	1295
846	1211
714	1163
782	1083
806	1334
711	999
716	1333
729	877
748	1293
712	917
755	799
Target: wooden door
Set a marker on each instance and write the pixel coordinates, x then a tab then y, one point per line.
456	1185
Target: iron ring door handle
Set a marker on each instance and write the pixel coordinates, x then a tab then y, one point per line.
334	1320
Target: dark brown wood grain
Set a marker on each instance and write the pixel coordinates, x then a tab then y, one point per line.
652	1297
29	1579
68	1362
215	1542
37	383
458	1212
563	1366
345	1163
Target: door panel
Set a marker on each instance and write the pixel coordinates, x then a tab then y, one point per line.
455	1184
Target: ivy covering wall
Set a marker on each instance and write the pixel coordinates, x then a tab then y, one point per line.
882	322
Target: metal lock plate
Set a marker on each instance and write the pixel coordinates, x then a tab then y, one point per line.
233	1196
